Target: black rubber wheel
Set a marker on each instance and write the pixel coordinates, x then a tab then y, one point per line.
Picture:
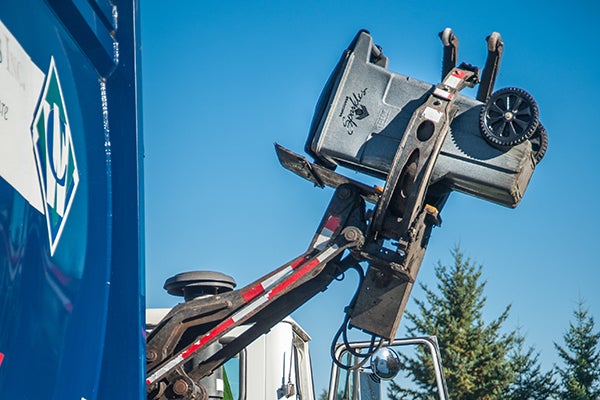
539	143
509	117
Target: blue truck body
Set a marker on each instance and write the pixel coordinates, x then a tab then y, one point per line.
71	209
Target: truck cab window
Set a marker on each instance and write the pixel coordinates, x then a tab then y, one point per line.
234	383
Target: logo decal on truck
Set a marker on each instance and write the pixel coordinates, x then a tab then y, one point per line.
55	156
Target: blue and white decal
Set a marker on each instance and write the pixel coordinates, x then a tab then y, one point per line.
55	156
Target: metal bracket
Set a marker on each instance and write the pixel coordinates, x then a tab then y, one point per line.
413	163
402	213
450	43
495	47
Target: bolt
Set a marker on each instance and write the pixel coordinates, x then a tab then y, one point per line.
508	116
151	356
352	234
180	387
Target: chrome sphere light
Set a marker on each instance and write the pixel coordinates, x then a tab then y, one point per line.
385	363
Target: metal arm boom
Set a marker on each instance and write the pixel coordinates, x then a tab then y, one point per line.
186	346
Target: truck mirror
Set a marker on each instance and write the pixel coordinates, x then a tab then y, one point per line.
351	380
385	363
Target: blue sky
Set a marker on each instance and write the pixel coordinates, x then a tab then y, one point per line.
223	81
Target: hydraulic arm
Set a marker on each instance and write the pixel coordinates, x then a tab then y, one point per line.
186	346
194	339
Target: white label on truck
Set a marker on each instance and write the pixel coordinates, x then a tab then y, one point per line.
37	156
20	86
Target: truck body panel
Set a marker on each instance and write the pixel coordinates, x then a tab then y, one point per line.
71	271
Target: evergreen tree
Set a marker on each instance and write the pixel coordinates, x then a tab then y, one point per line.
530	382
580	376
323	395
475	354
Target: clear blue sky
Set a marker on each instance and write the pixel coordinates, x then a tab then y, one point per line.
223	81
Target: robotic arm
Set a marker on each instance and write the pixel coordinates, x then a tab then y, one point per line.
391	238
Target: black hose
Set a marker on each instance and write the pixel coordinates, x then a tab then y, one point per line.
343	330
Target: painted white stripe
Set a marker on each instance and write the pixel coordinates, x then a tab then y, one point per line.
323	256
323	239
321	242
164	369
452	81
267	283
444	94
259	301
432	114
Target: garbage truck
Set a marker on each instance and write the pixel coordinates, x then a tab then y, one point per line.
72	300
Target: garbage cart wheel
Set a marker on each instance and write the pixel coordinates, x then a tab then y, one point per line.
509	117
539	143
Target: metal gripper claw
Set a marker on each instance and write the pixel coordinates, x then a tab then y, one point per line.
492	65
450	42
